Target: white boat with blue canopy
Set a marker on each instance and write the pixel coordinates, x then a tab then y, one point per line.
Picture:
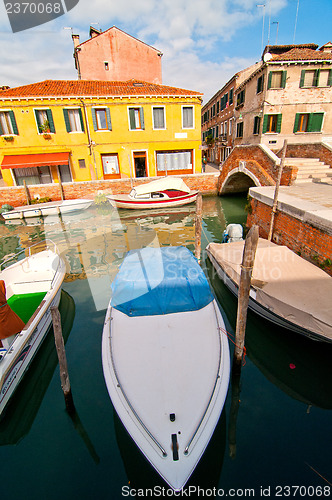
166	358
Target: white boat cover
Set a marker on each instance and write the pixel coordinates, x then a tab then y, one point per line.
154	281
285	283
162	184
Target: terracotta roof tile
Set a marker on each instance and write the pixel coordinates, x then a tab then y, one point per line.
94	88
298	54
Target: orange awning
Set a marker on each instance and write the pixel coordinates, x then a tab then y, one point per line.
38	160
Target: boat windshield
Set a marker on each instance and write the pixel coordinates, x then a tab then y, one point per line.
154	281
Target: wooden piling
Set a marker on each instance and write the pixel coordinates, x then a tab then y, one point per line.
62	194
198	226
276	191
60	347
27	195
248	260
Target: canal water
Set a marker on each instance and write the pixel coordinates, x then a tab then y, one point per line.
273	438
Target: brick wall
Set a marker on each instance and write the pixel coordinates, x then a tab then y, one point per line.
310	242
16	196
315	150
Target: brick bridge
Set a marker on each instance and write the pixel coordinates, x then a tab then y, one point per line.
257	165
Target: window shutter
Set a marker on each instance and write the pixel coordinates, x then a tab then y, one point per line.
66	117
329	81
283	79
316	78
14	125
266	117
132	119
94	119
315	122
141	112
37	120
296	122
302	78
81	119
108	116
1	129
231	94
269	82
50	121
279	123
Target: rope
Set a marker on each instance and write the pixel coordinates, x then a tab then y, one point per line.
229	336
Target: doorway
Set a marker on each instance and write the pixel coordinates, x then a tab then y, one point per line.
140	164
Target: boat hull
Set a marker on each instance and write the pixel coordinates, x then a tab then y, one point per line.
167	377
18	357
261	310
44	209
125	201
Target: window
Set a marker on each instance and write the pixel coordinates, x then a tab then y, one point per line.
272	123
240	98
260	84
32	175
158	118
325	78
187	117
81	163
106	65
174	161
230	126
316	78
136	118
73	120
239	129
308	122
44	119
111	167
257	125
8	123
224	102
101	118
231	96
65	173
277	80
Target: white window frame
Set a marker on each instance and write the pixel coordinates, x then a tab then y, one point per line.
99	127
193	115
153	123
136	109
77	120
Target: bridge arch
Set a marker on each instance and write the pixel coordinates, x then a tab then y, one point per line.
238	180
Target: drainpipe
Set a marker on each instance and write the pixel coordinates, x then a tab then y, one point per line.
91	143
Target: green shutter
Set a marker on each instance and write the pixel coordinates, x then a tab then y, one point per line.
14	125
316	78
279	123
50	121
141	112
296	122
231	95
283	79
266	117
94	119
37	120
329	81
132	119
269	82
315	122
108	116
81	119
1	130
302	78
66	117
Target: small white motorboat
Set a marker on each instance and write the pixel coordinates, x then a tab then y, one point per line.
233	232
49	208
28	290
285	289
165	358
165	192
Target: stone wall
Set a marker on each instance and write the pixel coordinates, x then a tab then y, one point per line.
310	242
16	196
316	150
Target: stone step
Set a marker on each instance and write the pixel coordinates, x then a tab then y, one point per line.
301	160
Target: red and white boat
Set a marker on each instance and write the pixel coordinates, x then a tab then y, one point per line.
164	192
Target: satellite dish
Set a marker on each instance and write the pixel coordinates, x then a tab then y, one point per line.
267	57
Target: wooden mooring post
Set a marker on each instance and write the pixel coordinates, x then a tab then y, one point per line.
248	260
60	348
198	227
276	191
27	194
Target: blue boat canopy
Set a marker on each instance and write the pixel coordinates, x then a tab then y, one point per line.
153	281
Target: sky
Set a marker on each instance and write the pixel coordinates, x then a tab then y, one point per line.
204	42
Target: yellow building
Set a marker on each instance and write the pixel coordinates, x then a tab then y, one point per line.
86	130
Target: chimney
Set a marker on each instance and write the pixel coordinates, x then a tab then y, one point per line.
76	40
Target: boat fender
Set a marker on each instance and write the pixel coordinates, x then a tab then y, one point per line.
175	447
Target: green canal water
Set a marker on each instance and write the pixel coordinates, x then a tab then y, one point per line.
273	438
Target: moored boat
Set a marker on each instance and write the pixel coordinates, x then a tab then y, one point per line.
49	208
166	358
165	192
28	290
285	288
